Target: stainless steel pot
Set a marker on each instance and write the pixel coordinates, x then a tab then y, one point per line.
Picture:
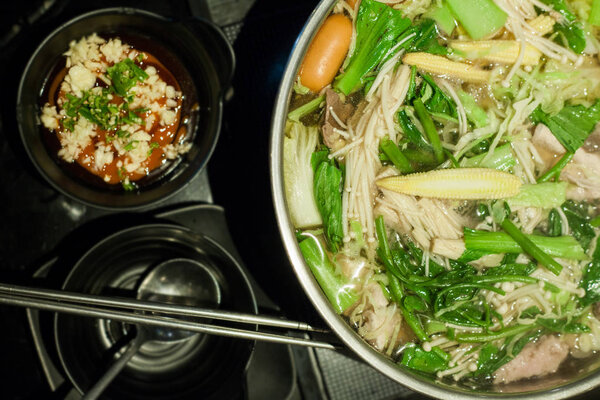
557	386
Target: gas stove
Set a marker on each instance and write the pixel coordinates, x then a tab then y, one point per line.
230	201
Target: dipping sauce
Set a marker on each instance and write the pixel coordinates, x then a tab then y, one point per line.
115	110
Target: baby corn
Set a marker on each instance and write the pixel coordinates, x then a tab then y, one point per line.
442	66
457	184
542	24
497	51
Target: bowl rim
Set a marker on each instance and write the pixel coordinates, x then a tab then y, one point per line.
217	110
348	336
164	225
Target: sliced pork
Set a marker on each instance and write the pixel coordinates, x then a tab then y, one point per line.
536	359
583	172
336	117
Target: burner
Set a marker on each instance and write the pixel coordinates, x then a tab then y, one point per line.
86	342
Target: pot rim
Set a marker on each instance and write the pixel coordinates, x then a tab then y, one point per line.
310	286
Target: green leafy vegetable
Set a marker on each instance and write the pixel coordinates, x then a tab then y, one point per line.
335	287
491	358
511	269
500	242
306	109
562	325
531	312
442	15
569	29
572	125
591	279
594	18
327	189
378	27
425	39
436	101
411	132
554	223
501	159
416	358
430	130
541	195
493	335
393	153
556	169
300	161
475	114
530	247
469	13
578	222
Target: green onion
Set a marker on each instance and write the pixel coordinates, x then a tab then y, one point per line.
153	145
500	242
554	223
491	336
306	109
412	85
131	145
430	130
556	168
411	132
530	248
393	153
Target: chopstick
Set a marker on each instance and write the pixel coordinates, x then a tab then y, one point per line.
49	303
142	305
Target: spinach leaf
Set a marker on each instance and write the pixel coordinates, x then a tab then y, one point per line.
124	75
411	132
578	222
572	125
554	223
378	27
328	195
416	358
438	102
511	269
531	312
562	325
570	29
591	279
425	38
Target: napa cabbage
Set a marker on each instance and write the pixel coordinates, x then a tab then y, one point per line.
298	146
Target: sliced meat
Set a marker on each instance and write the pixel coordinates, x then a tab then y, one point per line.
352	268
536	359
375	295
592	143
583	171
596	309
379	327
335	112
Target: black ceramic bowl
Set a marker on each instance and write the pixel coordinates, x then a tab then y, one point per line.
194	51
201	367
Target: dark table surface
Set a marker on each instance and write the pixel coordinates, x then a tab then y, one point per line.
37	222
